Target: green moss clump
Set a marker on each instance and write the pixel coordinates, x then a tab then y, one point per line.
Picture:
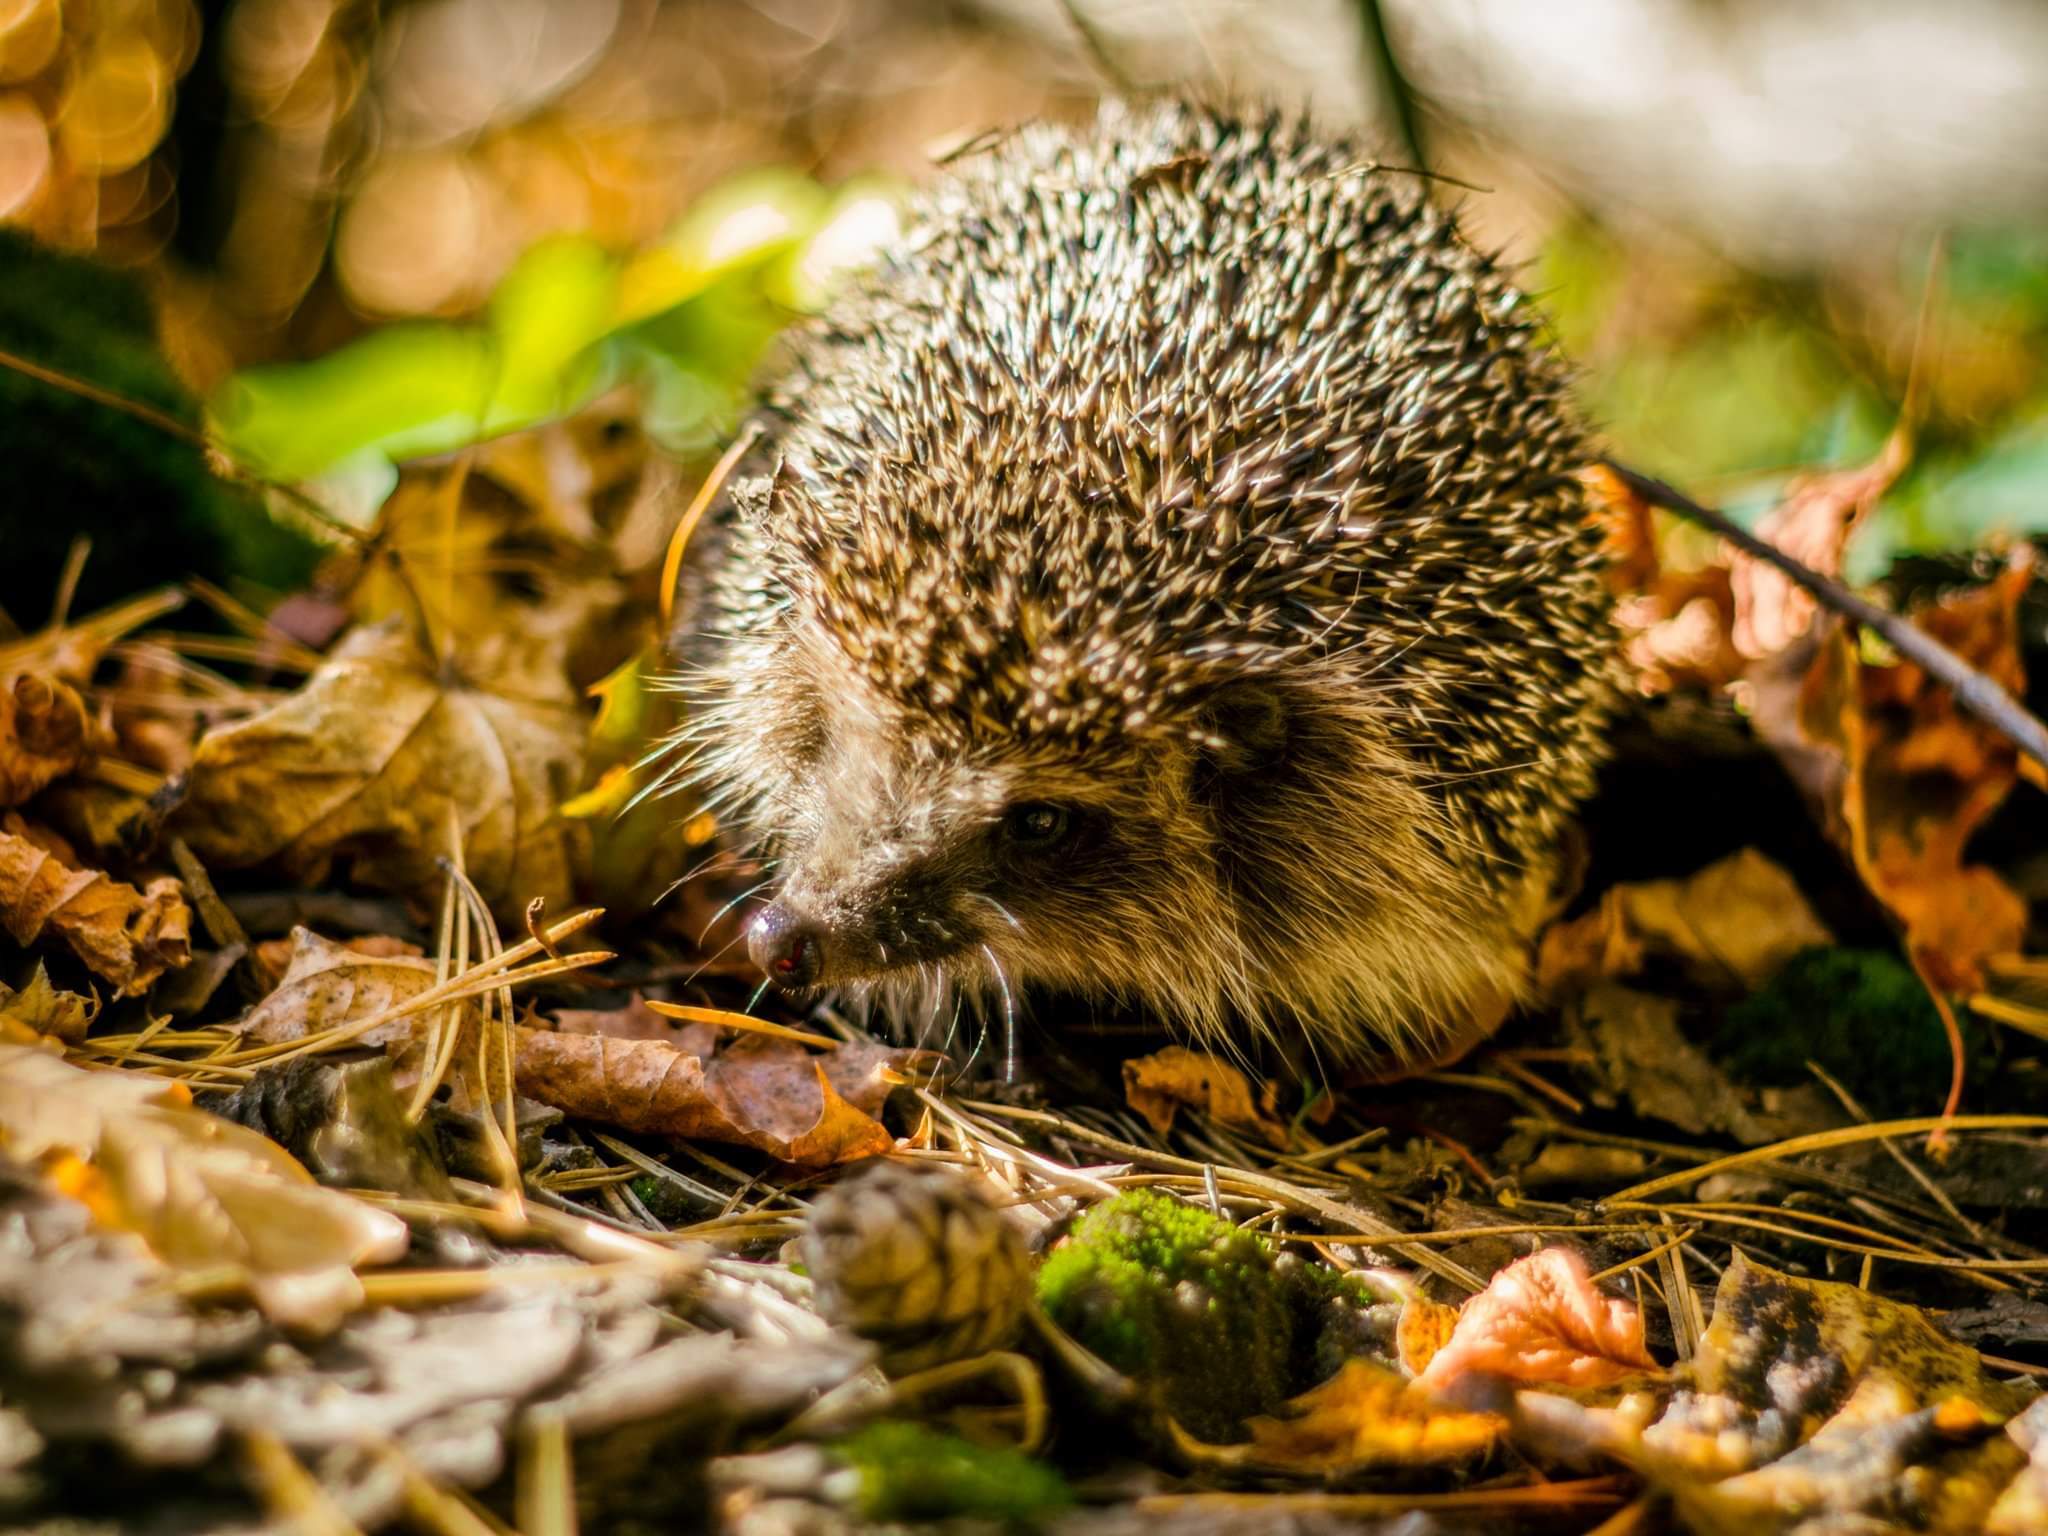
1861	1013
911	1472
1180	1301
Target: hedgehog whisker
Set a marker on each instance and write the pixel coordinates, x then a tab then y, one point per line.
1009	1016
1001	911
719	916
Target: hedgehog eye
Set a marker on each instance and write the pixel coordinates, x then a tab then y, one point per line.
1036	825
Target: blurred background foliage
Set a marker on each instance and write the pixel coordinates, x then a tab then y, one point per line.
361	232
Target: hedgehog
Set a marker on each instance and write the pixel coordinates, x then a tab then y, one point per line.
1166	581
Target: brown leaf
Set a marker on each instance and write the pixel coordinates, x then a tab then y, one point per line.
1158	1085
379	755
202	1192
754	1091
1812	524
1733	923
1542	1320
327	984
275	956
1911	778
1365	1416
46	731
1705	627
127	937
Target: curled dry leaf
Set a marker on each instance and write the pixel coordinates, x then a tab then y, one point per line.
1812	524
1814	1406
379	755
1366	1416
127	937
639	1071
202	1192
1732	924
1158	1085
1541	1321
46	731
41	1009
1674	621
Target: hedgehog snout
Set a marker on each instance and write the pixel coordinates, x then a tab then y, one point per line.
790	948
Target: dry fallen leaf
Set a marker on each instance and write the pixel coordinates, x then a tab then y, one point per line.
637	1070
1158	1085
1812	1406
327	984
202	1192
1733	924
41	1009
1638	1053
1812	524
1424	1327
1366	1416
127	937
1541	1320
1913	777
46	731
380	754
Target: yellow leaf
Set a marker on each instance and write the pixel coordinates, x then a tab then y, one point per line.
1363	1417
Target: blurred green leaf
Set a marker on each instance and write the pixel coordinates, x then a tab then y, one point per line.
690	316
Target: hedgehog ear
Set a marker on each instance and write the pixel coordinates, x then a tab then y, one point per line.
1244	728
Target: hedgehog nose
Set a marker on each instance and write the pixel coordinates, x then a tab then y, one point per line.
789	949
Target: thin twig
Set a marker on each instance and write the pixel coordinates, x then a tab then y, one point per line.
1978	693
1386	69
1096	47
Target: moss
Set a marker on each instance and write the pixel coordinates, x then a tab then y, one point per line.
1861	1013
1180	1301
911	1472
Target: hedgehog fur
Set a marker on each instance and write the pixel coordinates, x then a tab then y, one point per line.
1166	579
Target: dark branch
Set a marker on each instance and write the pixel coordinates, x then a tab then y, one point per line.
1977	693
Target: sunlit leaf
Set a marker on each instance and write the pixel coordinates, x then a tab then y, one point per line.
127	936
379	756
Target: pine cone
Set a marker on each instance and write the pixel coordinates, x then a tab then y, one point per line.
915	1257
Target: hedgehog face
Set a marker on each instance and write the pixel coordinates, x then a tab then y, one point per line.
1229	866
908	856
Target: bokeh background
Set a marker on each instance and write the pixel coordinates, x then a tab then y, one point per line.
1736	210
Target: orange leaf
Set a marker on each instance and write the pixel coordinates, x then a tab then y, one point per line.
754	1091
1541	1321
1812	524
1911	778
1425	1327
45	732
1366	1416
126	936
1736	921
1156	1086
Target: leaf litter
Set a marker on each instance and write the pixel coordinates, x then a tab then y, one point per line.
590	1199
